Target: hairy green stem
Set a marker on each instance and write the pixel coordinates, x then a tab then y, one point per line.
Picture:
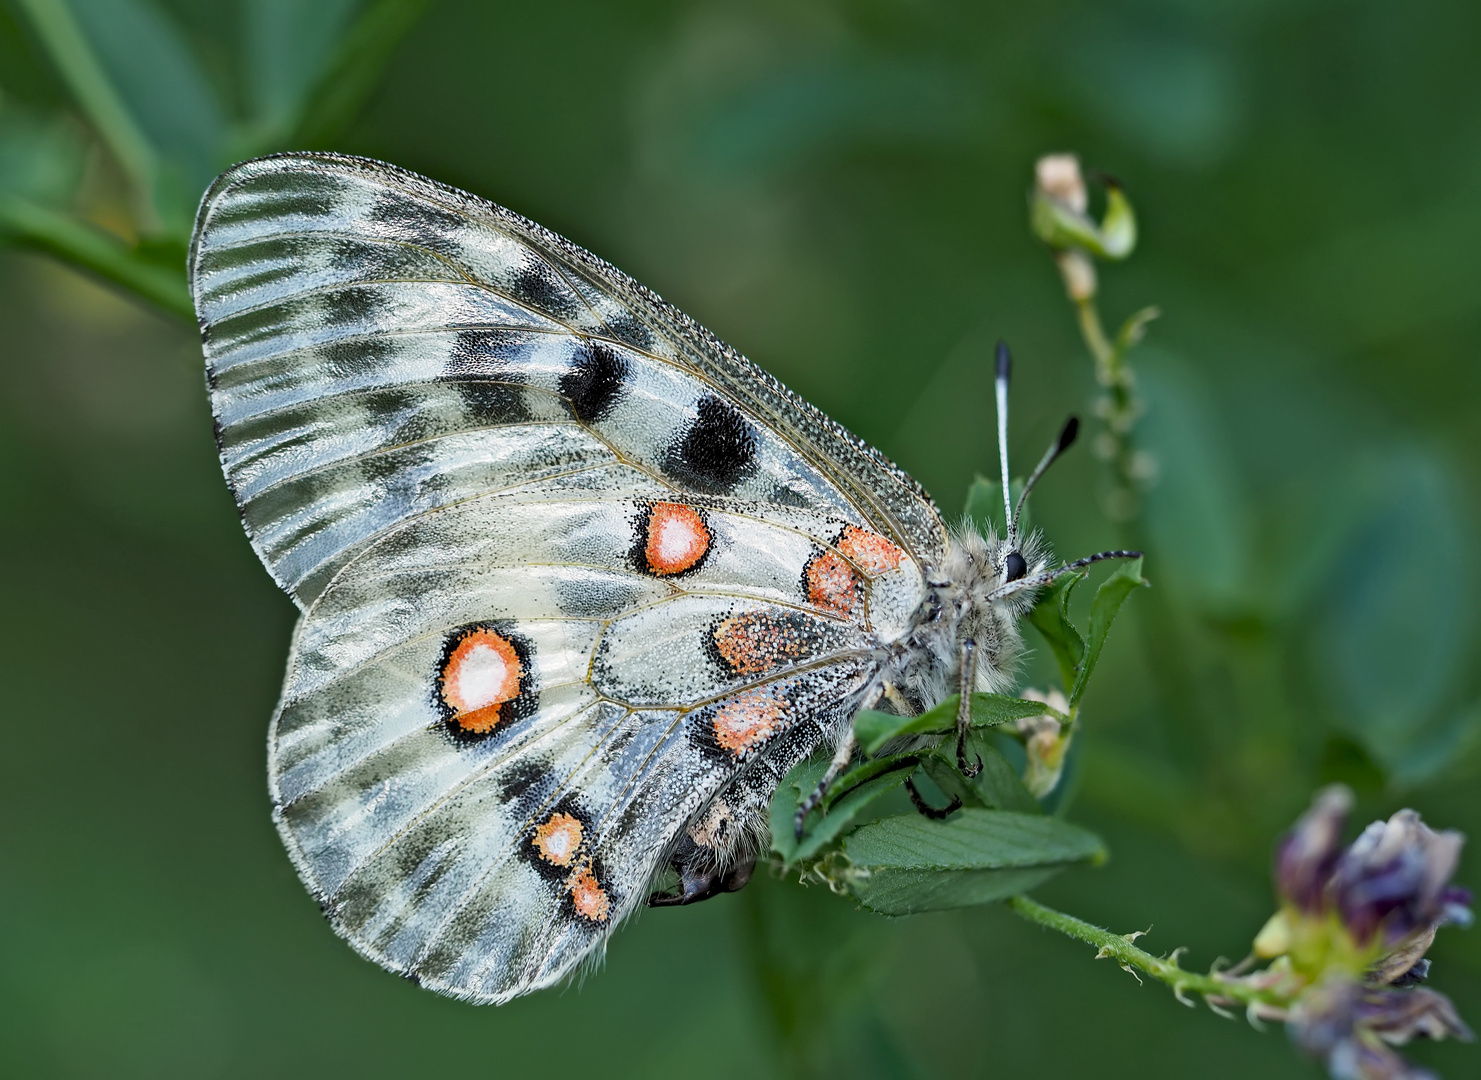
1119	947
93	249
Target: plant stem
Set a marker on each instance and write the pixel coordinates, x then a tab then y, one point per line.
95	250
1164	969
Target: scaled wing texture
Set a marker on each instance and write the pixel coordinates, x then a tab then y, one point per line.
570	568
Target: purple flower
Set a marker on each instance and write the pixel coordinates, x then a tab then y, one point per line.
1390	890
1308	854
1353	1027
1395	878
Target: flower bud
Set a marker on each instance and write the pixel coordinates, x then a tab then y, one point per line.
1044	743
1058	211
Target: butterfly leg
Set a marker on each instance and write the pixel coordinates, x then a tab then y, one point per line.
927	809
964	708
841	757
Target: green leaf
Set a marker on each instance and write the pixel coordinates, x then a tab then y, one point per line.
90	85
161	84
289	46
908	863
795	786
874	729
998	786
1051	617
985	505
1108	599
852	794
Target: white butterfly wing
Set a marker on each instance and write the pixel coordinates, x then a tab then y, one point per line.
569	565
364	328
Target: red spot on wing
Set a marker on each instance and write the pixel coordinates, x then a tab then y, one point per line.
481	673
748	720
588	896
755	642
558	839
676	538
871	552
830	582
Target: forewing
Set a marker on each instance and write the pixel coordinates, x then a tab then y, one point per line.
379	346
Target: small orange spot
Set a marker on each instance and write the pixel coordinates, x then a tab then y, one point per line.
756	642
677	538
870	552
831	582
588	896
482	672
558	839
748	720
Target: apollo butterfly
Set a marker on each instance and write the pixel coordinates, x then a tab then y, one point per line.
579	583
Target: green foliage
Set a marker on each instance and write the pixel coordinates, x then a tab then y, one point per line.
138	85
907	864
1051	617
1108	600
874	728
1306	494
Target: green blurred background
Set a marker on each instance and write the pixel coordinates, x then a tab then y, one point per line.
837	187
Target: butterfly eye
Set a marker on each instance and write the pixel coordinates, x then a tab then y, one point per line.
1014	567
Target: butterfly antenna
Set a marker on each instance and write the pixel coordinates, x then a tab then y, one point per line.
1066	437
1049	577
1004	370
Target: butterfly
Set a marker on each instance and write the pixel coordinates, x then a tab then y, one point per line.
579	583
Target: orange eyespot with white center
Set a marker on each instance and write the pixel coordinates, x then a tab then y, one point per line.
871	552
558	839
674	538
830	582
481	671
748	720
588	897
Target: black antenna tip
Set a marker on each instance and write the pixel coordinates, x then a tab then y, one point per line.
1005	361
1067	434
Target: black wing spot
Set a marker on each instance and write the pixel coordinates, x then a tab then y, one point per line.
629	328
536	286
484	353
348	359
492	403
420	223
348	307
594	381
716	452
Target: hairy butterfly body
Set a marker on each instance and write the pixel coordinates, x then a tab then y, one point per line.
579	584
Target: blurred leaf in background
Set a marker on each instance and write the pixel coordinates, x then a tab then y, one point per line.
837	188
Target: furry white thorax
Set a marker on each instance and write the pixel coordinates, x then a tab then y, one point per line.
960	606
